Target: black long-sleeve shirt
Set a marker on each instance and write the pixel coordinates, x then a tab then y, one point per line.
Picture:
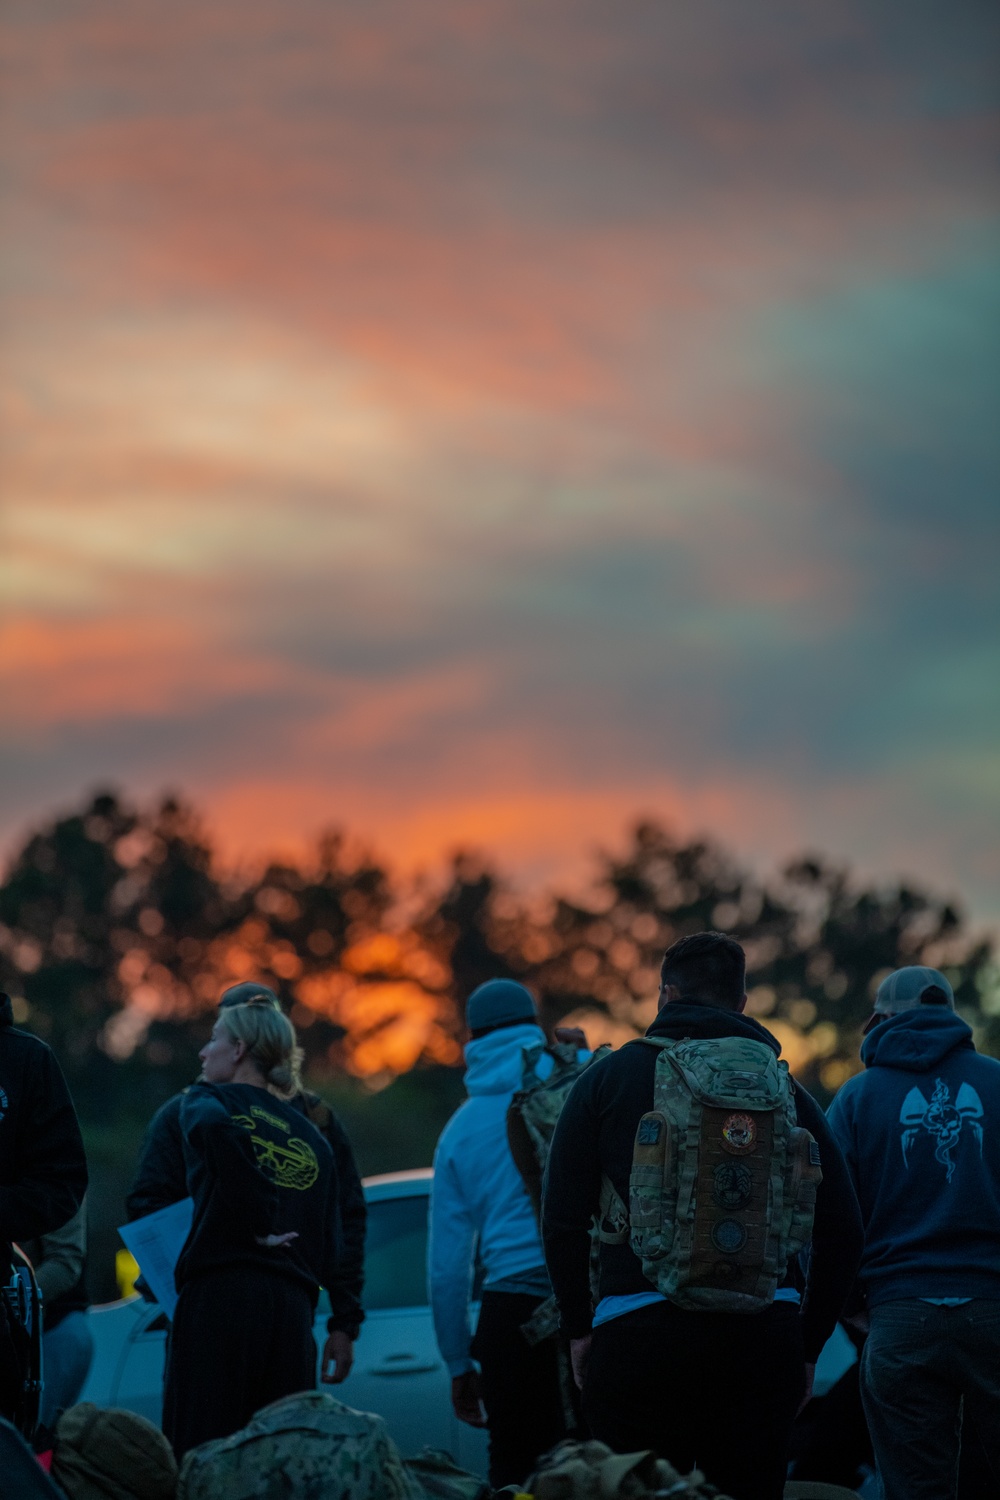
160	1179
255	1166
595	1136
43	1167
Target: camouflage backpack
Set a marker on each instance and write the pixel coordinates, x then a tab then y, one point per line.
590	1471
313	1447
535	1108
723	1185
531	1123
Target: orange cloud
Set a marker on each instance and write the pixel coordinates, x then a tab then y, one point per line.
56	672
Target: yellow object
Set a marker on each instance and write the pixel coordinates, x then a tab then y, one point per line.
126	1272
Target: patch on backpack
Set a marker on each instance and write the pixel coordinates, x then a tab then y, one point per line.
649	1132
739	1134
732	1185
728	1236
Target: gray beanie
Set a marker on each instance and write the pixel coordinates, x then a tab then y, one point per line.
499	1002
904	990
242	994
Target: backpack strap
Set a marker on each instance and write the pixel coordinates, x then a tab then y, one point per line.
318	1112
613	1213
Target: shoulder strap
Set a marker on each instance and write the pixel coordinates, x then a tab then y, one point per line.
317	1112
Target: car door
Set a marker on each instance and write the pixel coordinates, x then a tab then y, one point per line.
398	1371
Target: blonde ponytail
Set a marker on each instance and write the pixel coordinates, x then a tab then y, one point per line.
269	1038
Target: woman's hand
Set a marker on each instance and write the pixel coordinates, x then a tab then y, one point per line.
276	1241
338	1351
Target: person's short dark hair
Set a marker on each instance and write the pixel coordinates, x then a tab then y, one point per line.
707	967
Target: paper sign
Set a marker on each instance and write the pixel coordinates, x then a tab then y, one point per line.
156	1242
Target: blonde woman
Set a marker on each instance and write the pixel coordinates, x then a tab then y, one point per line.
264	1236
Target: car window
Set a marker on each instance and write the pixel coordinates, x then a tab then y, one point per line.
396	1254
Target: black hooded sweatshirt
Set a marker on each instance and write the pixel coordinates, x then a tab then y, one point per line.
43	1168
595	1135
256	1167
161	1179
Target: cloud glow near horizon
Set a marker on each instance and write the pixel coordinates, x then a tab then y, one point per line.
482	425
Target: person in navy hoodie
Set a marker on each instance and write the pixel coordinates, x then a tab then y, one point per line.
920	1129
479	1203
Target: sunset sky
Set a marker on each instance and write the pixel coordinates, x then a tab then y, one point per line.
485	422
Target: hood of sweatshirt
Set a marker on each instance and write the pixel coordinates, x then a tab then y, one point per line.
494	1063
685	1018
916	1040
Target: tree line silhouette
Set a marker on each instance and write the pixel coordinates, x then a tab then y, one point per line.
118	930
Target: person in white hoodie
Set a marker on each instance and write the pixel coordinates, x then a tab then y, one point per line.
480	1204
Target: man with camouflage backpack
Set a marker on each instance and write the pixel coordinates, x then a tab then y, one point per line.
708	1168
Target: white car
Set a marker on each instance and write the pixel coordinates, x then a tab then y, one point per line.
398	1371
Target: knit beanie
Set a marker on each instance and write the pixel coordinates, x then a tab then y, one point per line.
104	1453
499	1002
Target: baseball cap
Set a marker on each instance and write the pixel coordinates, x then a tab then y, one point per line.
905	989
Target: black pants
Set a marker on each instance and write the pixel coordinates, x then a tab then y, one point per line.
927	1374
521	1387
241	1339
713	1390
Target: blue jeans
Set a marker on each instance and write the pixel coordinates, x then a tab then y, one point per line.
925	1371
66	1354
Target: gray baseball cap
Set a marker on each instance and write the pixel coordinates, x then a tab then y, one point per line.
904	990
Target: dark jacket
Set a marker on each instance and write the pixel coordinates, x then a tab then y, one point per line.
256	1167
161	1179
595	1135
43	1168
60	1263
920	1130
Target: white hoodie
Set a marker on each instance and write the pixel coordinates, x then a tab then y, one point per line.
477	1194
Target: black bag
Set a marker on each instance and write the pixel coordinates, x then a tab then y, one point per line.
20	1346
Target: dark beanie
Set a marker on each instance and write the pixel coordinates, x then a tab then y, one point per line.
242	994
498	1002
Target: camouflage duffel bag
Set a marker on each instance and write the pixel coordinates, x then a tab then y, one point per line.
590	1471
304	1447
313	1447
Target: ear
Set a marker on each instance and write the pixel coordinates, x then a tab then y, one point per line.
239	1049
668	993
743	1004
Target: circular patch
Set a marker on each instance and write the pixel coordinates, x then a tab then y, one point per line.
739	1134
728	1236
732	1185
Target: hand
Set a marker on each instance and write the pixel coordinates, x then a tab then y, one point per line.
467	1400
579	1354
571	1036
807	1397
276	1241
338	1351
